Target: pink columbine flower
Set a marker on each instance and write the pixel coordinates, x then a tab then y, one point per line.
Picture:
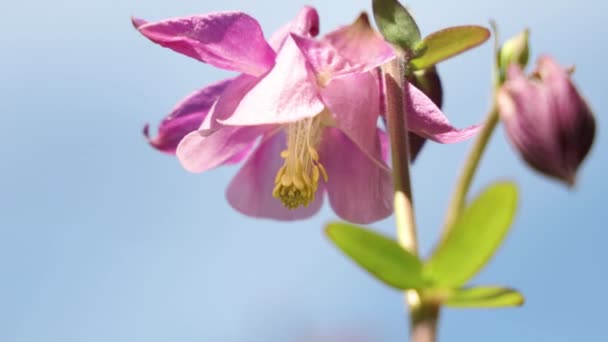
546	119
311	105
228	40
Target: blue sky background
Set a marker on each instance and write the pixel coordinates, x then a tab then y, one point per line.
104	239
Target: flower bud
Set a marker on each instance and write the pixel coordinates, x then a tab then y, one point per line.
515	51
546	119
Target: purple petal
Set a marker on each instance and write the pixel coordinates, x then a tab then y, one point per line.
426	119
186	117
354	101
286	94
228	40
528	124
361	44
547	120
525	107
250	192
359	190
567	102
306	23
203	150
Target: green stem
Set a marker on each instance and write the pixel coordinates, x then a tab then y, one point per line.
463	185
423	321
397	127
470	167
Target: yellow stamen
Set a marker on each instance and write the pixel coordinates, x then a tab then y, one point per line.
298	179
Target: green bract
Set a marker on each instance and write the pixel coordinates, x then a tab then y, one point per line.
396	24
447	43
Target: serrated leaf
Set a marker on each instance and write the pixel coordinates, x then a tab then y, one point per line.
484	297
396	24
474	238
447	43
382	257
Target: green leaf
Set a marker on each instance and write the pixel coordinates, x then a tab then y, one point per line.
396	24
447	43
484	297
474	238
379	255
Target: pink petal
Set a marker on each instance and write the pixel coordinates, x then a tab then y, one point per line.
354	101
385	145
324	59
203	150
427	120
137	22
186	117
360	44
228	101
250	192
429	82
359	190
306	23
228	40
285	94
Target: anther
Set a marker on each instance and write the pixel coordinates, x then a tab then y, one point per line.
298	179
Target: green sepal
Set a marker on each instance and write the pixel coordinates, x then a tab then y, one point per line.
396	24
474	238
381	256
447	43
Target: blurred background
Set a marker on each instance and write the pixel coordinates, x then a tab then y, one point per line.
104	239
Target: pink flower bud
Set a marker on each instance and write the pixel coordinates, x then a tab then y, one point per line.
546	119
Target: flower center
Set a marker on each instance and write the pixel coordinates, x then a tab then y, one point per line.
298	179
